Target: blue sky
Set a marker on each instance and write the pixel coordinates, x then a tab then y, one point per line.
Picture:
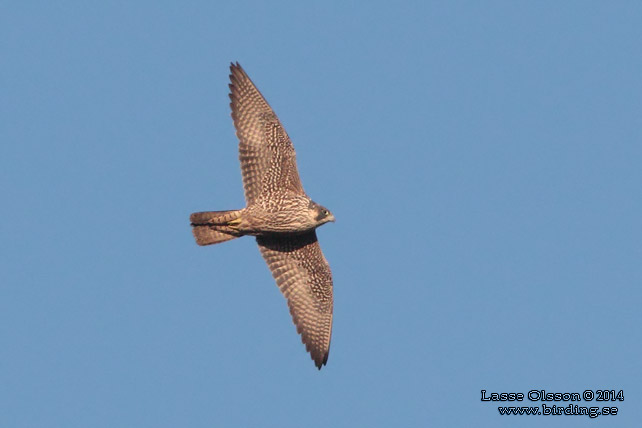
482	161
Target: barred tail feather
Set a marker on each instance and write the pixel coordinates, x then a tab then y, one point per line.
213	227
208	235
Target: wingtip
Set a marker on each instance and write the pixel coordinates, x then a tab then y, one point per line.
235	68
237	76
320	362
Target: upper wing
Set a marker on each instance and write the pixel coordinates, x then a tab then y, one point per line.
304	277
268	160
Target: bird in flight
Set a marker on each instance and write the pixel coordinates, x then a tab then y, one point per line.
278	213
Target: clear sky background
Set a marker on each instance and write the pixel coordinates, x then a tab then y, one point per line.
483	161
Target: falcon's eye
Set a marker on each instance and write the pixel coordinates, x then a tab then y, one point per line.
325	212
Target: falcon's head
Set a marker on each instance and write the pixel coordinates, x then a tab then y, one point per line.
320	213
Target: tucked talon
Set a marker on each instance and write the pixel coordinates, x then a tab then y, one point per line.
234	223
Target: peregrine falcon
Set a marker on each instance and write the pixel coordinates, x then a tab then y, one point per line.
278	213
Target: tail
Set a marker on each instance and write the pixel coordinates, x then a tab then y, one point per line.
213	227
